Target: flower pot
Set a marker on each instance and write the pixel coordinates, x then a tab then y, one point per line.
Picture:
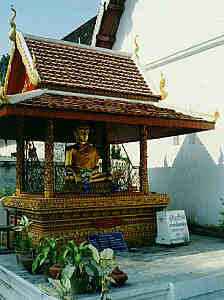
80	285
55	270
119	277
86	187
25	258
116	186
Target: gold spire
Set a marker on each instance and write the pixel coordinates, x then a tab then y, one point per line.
164	94
216	115
12	32
136	46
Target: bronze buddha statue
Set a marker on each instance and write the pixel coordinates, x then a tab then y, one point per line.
82	156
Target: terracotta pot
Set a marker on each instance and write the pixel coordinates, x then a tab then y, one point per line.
119	277
55	270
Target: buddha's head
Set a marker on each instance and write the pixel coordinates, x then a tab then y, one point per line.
81	133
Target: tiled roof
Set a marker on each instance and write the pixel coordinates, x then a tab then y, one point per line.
62	64
100	105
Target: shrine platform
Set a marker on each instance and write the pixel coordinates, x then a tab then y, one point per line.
75	216
193	271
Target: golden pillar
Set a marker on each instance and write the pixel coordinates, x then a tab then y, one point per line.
108	162
144	185
19	156
49	160
106	166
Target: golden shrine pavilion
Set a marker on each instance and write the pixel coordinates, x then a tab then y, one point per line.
52	85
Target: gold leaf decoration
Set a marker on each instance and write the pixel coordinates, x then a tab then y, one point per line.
164	94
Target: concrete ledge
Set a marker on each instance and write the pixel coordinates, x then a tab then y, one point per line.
13	287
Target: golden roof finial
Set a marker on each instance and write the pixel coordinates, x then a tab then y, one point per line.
12	32
136	46
35	73
216	115
164	94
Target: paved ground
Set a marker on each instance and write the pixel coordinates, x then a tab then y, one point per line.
157	265
201	257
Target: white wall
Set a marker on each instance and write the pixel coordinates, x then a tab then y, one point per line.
193	180
168	26
192	174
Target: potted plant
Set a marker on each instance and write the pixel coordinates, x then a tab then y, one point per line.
116	176
23	243
134	182
85	277
105	261
61	288
46	253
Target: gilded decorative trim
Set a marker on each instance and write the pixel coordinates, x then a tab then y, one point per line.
3	98
216	115
144	185
136	47
49	160
28	60
69	217
80	202
164	94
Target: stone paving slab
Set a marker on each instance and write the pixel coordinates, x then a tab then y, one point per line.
154	271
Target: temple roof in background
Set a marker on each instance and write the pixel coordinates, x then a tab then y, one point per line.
83	34
101	30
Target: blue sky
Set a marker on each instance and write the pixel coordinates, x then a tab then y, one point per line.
49	18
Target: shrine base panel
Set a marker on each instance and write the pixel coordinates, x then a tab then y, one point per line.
77	216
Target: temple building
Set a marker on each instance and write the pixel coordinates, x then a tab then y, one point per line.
170	39
91	100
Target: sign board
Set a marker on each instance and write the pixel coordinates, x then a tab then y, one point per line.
172	227
113	240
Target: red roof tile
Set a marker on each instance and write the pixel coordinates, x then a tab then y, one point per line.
109	106
65	65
